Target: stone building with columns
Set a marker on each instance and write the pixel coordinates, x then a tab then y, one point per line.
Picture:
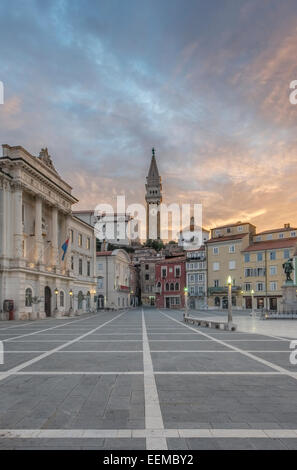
35	221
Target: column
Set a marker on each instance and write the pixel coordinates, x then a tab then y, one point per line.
55	250
18	222
38	231
68	236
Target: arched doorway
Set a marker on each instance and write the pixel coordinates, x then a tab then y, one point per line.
47	301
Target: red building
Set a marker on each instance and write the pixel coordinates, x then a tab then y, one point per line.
170	276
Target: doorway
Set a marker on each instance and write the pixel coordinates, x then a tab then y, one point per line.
100	303
273	303
47	301
248	303
167	302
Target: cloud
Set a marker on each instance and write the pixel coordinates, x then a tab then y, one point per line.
101	83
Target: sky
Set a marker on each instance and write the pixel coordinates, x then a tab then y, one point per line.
204	82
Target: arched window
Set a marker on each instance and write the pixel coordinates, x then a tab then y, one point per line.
177	286
28	297
217	301
171	286
80	298
167	286
62	296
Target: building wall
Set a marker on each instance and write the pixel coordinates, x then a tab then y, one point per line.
35	220
265	276
224	258
113	279
196	277
147	281
166	296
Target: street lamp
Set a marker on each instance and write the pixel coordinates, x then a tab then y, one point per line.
229	282
70	295
56	293
252	292
186	299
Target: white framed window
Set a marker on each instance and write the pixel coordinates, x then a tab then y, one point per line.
177	271
258	238
248	287
216	266
240	228
273	270
100	282
293	234
232	249
216	283
280	235
260	286
80	266
232	264
79	239
269	236
100	267
215	250
273	286
88	243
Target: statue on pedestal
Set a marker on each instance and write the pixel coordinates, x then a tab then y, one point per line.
288	269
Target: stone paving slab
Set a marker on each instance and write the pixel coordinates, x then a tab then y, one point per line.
203	361
188	345
112	362
12	360
105	346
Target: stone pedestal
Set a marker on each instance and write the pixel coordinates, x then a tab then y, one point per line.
289	302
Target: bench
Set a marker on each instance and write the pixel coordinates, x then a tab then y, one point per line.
220	325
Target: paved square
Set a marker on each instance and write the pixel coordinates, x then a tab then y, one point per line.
142	379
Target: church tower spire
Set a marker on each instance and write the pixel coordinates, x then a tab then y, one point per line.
153	199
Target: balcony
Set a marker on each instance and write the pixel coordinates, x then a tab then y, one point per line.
223	290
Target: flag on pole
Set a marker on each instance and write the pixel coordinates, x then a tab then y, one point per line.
64	248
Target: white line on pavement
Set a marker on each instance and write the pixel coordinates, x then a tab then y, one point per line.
6	374
243	352
212	433
46	329
153	415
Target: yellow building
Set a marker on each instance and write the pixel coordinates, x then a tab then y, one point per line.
263	274
224	258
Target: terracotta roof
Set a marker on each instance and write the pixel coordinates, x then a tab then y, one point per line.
202	248
232	225
103	253
225	239
277	230
272	244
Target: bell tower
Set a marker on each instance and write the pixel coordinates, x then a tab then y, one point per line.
153	199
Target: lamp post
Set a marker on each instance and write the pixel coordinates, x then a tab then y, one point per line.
93	292
56	294
252	312
186	300
242	299
70	295
229	281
